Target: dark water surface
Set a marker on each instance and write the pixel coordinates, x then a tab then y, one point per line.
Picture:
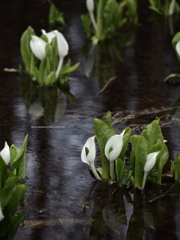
63	201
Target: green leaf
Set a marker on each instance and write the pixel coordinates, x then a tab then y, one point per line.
103	131
18	159
2	173
15	222
156	173
55	16
16	197
177	168
175	40
86	23
120	166
138	158
153	134
27	55
50	79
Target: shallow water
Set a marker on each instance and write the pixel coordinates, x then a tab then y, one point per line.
63	201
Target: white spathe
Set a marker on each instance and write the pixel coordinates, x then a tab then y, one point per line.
49	35
178	48
114	146
88	155
5	154
90	145
1	214
90	5
150	161
38	47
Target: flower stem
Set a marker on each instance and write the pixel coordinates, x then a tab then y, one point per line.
112	170
93	20
59	66
95	172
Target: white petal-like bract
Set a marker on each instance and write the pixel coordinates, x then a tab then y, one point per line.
5	154
38	47
91	147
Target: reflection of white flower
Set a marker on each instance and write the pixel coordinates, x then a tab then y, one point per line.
113	148
88	155
60	108
150	162
1	214
38	47
5	154
36	110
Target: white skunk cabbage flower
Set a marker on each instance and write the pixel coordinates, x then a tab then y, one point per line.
38	47
90	8
88	155
5	154
178	48
113	148
49	35
63	49
150	162
171	7
1	214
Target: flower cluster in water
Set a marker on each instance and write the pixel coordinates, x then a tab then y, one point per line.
43	57
111	16
148	155
12	173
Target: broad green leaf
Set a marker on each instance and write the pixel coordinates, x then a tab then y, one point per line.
103	131
25	48
55	16
138	158
5	195
2	173
86	23
153	134
16	197
19	161
120	166
14	224
156	173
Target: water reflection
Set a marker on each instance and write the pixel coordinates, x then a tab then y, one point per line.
118	213
47	102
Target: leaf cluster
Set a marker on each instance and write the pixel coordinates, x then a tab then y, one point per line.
111	16
44	72
151	140
12	191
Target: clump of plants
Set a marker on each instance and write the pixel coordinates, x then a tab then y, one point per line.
43	57
148	154
176	46
12	189
107	17
166	8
